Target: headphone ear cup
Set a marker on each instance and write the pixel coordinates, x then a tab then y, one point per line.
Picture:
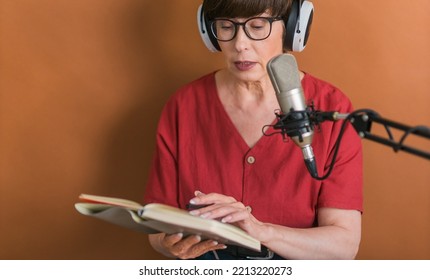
298	25
205	33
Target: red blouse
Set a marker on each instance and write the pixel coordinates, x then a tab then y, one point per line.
199	148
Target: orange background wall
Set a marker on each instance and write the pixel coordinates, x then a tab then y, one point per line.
82	84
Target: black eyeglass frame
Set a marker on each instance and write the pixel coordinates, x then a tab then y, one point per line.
237	24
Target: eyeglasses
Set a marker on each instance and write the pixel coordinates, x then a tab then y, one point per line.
256	28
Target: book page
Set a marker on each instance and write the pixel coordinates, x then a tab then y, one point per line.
110	201
116	215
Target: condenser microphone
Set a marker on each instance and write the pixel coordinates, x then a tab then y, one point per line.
284	74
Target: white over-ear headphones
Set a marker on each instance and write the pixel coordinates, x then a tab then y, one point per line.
298	26
204	31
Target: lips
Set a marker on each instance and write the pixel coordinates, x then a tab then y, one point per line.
244	65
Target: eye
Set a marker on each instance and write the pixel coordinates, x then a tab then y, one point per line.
225	25
257	27
257	24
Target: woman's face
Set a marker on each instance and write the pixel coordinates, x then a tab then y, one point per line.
246	59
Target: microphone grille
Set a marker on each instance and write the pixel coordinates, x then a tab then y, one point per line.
284	73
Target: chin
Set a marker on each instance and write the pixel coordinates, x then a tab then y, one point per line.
250	77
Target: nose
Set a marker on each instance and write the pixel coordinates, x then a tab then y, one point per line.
241	40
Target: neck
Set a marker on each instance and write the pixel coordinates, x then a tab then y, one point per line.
246	93
249	105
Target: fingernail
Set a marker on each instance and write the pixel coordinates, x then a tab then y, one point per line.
195	200
205	215
226	219
194	212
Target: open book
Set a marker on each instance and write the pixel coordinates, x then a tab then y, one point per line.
155	218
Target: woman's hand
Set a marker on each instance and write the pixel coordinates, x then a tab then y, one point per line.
227	210
177	246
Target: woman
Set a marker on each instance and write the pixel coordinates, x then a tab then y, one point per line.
211	151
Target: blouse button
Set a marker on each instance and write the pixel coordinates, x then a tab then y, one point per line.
250	160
